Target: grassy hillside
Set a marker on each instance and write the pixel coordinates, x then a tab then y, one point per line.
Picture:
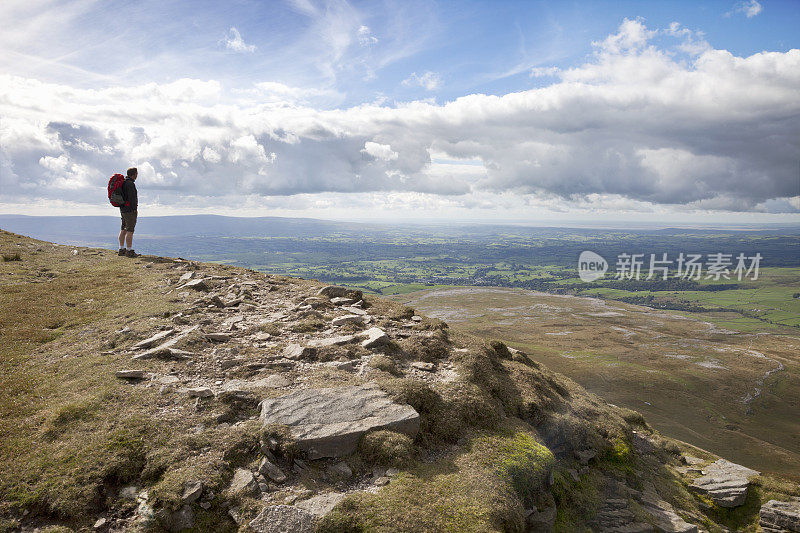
734	393
500	436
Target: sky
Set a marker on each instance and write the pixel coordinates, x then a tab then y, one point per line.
539	111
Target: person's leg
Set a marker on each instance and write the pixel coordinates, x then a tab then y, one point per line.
122	238
129	240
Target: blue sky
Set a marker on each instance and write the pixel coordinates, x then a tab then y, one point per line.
432	107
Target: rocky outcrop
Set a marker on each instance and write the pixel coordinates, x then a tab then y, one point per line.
724	482
329	422
780	517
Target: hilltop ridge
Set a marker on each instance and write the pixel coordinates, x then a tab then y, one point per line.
164	394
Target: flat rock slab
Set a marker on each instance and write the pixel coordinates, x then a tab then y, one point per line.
284	519
331	341
330	422
346	319
724	482
196	284
778	516
158	337
321	504
167	350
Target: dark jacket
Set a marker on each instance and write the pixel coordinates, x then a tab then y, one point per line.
129	193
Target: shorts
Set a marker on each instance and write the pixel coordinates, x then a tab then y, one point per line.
129	220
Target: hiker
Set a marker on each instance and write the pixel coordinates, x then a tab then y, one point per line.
128	211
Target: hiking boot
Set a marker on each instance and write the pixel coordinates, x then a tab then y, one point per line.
121	251
131	253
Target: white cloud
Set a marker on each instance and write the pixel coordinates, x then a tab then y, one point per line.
383	152
233	41
365	37
637	125
750	8
538	72
427	80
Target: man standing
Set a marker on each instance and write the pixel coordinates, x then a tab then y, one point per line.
128	211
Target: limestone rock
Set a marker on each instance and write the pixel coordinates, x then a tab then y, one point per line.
130	374
420	365
243	483
200	392
284	519
724	482
295	351
329	422
346	319
331	341
333	291
354	310
270	470
167	350
342	301
663	515
196	284
779	516
158	337
321	504
192	491
374	337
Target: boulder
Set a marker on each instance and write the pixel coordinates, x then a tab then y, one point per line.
333	291
284	519
321	504
724	482
243	483
374	337
295	351
270	470
779	516
218	337
330	422
421	365
192	491
342	301
200	392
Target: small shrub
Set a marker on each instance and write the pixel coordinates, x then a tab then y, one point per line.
308	325
386	448
385	363
270	327
12	257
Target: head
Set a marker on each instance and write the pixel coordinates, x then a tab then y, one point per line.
133	173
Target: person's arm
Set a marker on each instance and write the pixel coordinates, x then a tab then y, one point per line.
132	196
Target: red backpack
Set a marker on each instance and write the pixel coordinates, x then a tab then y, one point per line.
115	191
